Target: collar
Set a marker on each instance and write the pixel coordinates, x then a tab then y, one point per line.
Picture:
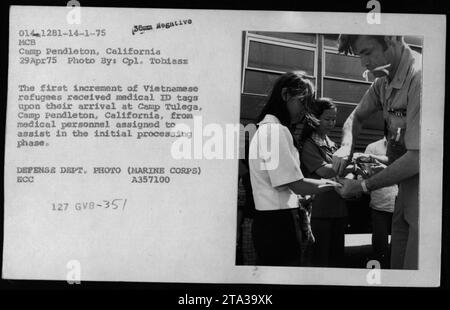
269	118
406	61
322	141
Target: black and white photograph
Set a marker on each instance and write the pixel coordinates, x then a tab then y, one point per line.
345	190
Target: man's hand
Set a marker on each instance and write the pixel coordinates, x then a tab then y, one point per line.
350	188
377	167
340	159
363	158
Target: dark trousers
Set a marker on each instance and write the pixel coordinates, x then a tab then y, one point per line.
381	229
276	238
405	226
328	250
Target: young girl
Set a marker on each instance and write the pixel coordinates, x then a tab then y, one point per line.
329	211
275	173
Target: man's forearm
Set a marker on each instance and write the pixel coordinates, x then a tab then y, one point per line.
401	169
350	131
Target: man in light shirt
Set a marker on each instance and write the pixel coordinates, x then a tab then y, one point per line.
397	92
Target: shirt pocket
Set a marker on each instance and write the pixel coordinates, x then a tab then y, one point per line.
396	123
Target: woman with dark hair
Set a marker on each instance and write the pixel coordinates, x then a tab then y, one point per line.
329	211
275	173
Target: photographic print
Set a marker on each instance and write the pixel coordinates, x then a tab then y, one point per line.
358	100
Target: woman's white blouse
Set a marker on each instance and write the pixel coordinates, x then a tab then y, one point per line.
274	162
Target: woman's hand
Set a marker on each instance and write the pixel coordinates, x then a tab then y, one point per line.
307	186
340	159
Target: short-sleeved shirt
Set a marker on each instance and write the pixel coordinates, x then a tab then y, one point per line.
400	102
274	162
316	154
382	199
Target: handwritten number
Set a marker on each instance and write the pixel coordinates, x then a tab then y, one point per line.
113	204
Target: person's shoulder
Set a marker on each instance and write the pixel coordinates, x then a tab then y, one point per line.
308	147
375	145
279	128
271	126
417	59
380	144
415	84
308	143
371	145
416	65
275	131
370	148
377	83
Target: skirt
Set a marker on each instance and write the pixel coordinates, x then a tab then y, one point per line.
276	236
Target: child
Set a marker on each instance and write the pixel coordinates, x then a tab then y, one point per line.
329	210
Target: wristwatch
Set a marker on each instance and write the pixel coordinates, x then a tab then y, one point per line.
365	187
